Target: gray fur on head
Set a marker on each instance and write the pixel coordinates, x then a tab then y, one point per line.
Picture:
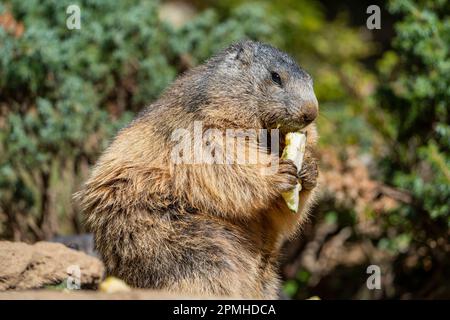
244	71
241	81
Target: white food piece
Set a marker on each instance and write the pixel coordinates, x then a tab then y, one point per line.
295	151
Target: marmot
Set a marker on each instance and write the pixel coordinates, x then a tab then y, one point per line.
206	229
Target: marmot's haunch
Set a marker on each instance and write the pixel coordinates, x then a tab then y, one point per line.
208	229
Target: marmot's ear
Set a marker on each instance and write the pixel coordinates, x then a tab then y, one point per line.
244	53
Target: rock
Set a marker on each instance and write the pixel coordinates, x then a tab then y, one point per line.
80	242
24	266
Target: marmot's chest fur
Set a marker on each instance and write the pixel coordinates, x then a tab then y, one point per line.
164	219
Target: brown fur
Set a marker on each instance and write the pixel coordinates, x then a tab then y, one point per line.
207	229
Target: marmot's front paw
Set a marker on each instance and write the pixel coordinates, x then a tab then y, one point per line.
287	177
309	172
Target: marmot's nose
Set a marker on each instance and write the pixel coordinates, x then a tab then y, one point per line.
309	111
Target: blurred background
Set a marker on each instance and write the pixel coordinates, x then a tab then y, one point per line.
384	122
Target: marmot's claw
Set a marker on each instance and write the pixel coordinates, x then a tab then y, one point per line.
309	172
287	177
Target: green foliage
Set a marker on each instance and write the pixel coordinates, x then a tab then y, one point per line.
415	93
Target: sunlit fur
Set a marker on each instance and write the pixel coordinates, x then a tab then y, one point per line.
202	229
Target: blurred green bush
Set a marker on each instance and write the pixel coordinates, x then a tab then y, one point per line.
414	96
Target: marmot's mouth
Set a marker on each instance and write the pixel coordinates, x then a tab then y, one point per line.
282	138
287	127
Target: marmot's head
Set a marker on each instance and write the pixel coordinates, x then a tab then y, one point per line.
258	79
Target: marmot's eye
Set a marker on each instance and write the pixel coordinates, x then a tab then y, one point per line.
276	78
